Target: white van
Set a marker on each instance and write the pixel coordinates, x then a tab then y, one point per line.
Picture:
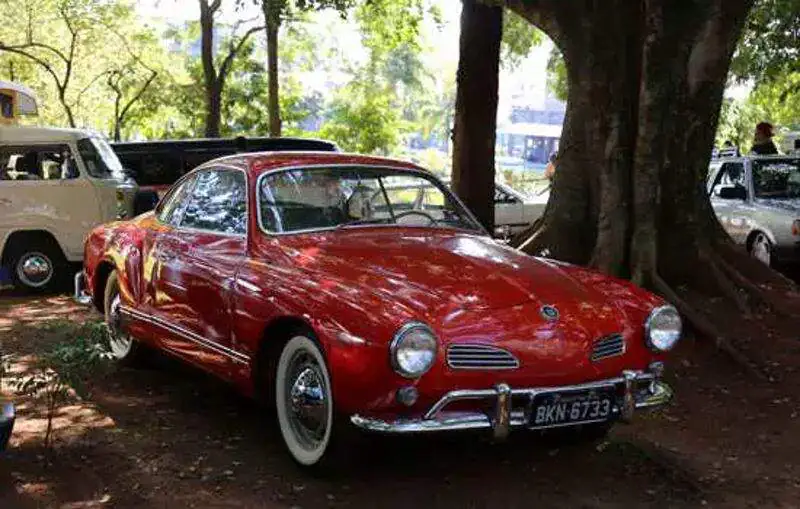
55	186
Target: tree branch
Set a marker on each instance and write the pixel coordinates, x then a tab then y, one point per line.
136	97
234	50
46	66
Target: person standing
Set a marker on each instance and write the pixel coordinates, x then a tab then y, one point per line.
762	144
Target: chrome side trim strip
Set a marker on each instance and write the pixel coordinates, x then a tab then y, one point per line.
187	334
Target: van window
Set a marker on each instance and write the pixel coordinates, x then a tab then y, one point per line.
37	162
100	161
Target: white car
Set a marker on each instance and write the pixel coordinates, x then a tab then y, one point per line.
513	211
55	186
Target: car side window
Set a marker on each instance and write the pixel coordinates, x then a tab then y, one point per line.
37	162
730	176
218	202
175	203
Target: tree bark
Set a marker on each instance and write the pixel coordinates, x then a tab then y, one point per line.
213	106
646	81
476	108
273	26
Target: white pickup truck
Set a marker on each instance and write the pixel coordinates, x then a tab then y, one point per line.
55	186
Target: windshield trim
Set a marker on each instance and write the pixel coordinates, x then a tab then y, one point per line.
95	141
405	169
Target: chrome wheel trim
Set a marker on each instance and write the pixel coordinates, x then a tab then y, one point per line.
306	404
304	400
119	342
35	269
760	249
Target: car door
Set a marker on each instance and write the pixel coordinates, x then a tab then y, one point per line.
732	211
212	243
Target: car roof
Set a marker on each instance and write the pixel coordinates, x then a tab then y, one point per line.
11	135
257	163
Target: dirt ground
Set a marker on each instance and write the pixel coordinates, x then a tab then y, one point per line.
167	436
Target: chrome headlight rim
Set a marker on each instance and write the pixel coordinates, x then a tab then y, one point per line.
648	329
401	333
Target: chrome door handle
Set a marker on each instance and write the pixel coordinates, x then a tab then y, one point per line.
5	201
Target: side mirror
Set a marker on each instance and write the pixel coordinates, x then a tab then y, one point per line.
733	193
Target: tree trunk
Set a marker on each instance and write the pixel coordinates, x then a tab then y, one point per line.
476	108
646	82
272	69
212	86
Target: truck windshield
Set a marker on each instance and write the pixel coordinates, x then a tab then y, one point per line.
101	162
777	178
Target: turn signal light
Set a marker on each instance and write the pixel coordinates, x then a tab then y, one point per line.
796	227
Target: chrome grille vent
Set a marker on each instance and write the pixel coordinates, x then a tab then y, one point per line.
609	346
472	356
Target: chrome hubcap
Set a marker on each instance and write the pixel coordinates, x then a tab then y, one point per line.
760	250
307	404
35	270
119	341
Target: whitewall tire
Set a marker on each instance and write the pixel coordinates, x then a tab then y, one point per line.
304	400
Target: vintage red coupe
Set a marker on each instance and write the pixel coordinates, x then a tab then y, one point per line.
320	282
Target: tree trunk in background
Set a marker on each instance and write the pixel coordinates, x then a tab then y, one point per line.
213	94
272	68
646	81
476	108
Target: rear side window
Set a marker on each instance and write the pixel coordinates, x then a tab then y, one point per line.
175	203
37	162
218	202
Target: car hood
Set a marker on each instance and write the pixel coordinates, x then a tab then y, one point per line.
788	204
435	273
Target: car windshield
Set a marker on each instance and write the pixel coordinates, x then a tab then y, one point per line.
322	197
100	160
777	178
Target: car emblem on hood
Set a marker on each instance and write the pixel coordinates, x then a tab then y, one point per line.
549	313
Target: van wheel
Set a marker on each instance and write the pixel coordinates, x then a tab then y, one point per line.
37	265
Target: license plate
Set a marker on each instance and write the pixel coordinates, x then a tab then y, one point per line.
552	410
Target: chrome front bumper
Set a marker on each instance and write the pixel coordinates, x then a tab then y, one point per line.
81	296
640	390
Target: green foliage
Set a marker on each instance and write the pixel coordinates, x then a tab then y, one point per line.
770	43
519	38
557	75
777	102
62	373
363	120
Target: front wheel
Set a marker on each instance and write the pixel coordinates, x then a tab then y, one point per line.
761	249
304	400
38	265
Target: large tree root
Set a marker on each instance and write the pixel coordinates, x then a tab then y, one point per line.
705	328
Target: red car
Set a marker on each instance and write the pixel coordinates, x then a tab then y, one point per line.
320	282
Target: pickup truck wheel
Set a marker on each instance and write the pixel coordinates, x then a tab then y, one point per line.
304	401
761	249
37	266
125	349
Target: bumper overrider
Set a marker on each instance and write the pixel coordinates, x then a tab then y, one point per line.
81	296
634	390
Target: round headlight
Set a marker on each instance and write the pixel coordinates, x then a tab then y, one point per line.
413	350
663	328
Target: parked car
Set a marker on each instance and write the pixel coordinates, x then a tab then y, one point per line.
156	165
757	201
281	274
55	186
513	211
7	417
